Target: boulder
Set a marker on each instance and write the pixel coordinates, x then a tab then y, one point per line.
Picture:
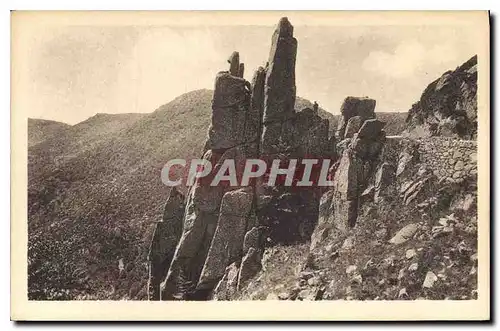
404	234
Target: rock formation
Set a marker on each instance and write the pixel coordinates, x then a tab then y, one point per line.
448	106
165	238
225	227
356	110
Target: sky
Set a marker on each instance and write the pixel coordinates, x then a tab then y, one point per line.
71	73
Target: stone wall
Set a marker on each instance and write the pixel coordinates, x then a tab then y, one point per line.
406	172
449	158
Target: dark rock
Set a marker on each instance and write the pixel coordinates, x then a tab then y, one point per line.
407	158
233	122
448	106
241	70
355	106
384	180
250	266
370	130
258	81
353	126
254	238
190	254
346	213
418	190
346	181
165	238
280	87
234	64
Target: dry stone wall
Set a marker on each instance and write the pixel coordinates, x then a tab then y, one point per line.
449	158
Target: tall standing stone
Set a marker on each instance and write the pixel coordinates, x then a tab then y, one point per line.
234	63
279	90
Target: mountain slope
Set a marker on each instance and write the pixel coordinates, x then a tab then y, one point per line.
39	130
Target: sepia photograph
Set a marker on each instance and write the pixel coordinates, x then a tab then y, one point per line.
169	162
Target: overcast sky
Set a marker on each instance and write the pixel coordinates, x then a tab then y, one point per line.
73	73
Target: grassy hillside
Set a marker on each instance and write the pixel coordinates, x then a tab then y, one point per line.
39	130
95	191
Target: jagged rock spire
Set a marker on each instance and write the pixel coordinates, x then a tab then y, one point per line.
280	78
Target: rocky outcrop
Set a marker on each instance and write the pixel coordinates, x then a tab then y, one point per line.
225	228
359	108
448	106
233	121
356	167
165	238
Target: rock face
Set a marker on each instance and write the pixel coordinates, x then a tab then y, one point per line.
225	227
226	244
233	122
448	106
165	239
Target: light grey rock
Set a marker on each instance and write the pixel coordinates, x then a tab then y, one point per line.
404	234
430	279
227	242
459	165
